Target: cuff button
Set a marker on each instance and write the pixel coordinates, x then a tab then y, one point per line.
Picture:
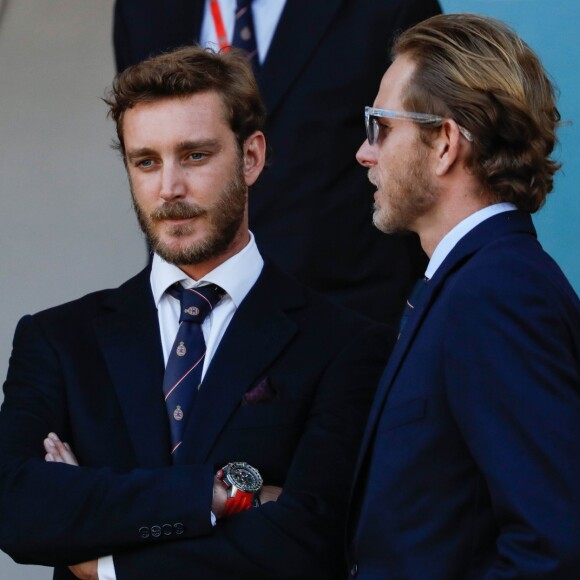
178	528
155	531
144	532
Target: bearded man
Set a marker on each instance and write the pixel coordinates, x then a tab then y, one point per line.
469	467
195	391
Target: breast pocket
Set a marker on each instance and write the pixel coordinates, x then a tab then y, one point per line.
267	415
402	414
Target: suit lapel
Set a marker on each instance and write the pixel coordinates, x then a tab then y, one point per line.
257	334
195	7
181	20
302	26
492	229
399	352
131	346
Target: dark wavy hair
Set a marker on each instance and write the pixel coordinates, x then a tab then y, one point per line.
479	72
188	71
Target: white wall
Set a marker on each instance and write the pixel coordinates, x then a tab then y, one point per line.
66	223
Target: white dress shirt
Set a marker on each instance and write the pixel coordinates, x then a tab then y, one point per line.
266	15
452	237
227	276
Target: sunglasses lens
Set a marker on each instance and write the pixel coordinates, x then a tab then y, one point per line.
371	125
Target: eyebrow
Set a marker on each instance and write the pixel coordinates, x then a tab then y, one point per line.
143	152
199	144
182	146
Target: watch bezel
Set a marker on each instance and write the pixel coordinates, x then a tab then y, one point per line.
231	479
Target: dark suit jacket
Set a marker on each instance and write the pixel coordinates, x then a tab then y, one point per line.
311	208
470	466
91	370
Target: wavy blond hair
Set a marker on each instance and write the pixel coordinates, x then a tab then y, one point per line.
479	72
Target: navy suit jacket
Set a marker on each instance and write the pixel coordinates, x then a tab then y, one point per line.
311	207
92	370
470	466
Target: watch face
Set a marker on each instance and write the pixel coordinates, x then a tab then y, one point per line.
244	477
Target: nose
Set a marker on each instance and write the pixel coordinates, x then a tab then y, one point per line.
173	183
366	155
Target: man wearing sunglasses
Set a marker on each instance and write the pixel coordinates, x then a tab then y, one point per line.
469	467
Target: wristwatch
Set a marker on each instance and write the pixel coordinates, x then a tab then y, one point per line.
242	483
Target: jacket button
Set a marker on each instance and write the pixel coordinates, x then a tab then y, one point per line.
167	529
155	531
178	528
354	570
144	532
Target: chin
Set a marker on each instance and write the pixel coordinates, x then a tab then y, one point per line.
385	225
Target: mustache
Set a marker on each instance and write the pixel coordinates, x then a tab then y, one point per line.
370	177
177	210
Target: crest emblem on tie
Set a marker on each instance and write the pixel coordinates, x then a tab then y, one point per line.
192	311
180	350
178	413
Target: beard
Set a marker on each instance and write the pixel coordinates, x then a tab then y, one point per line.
409	195
224	219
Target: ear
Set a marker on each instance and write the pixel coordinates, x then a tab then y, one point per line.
254	151
447	147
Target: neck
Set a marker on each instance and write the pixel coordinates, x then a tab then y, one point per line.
198	271
451	210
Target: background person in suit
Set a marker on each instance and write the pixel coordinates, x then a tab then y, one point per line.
287	379
318	66
469	466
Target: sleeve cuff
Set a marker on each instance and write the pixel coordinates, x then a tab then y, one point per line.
106	568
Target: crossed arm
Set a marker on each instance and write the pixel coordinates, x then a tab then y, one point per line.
311	443
58	451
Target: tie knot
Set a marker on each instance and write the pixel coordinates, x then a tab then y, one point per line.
196	303
243	4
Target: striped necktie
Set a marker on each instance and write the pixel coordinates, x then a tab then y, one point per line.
185	363
412	301
244	36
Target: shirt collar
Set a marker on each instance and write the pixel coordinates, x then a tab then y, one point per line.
227	275
452	237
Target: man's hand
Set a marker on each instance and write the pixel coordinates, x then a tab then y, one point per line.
58	451
220	496
86	570
269	493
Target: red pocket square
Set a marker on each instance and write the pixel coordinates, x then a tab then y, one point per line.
262	392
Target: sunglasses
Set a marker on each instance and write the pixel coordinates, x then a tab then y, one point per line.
372	125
